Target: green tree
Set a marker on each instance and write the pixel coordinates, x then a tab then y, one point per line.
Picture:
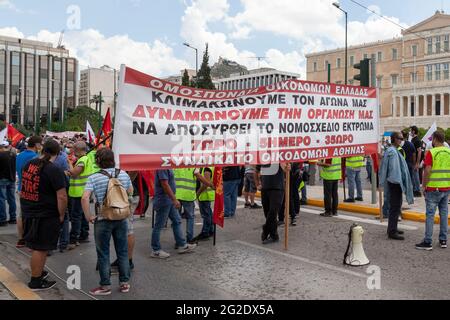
204	80
76	119
186	82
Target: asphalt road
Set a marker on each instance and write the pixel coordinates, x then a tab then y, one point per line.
240	267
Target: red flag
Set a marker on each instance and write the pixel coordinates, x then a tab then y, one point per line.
14	135
219	204
376	162
106	129
147	177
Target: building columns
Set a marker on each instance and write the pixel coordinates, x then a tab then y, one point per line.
433	105
441	103
394	115
402	106
408	109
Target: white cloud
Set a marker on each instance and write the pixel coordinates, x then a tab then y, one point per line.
11	32
93	49
7	4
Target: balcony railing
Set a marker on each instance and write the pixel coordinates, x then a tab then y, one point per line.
423	84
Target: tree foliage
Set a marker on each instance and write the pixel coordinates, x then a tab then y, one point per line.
204	80
185	81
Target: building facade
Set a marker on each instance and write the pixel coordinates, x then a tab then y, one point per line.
36	81
253	79
96	80
412	73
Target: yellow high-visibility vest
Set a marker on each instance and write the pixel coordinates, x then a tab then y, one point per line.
440	172
334	172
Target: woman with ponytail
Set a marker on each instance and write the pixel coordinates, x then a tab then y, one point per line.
43	200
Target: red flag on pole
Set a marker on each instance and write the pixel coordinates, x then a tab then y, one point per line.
376	162
106	129
219	204
14	135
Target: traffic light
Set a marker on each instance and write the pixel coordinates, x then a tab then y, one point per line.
364	76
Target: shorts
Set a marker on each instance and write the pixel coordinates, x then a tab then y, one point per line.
130	225
41	234
130	222
249	183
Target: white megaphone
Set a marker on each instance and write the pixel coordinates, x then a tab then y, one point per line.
355	255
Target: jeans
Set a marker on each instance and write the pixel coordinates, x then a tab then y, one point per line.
415	180
354	178
304	194
436	200
386	204
271	201
330	195
188	208
80	226
162	213
64	236
7	193
103	231
369	170
395	207
230	196
207	215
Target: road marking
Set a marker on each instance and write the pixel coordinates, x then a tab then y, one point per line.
362	220
305	260
15	286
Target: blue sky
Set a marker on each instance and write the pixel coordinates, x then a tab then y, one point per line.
153	30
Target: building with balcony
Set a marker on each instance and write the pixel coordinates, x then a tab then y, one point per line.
412	73
36	80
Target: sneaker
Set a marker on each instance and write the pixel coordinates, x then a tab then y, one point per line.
424	246
280	223
255	206
3	224
247	205
44	275
201	237
21	244
188	248
41	285
83	240
326	214
264	236
72	246
124	288
160	254
359	199
417	194
303	202
396	236
12	222
349	200
443	244
100	291
293	223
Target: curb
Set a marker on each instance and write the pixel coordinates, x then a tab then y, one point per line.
17	288
406	215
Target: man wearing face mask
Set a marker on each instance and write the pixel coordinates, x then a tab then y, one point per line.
395	178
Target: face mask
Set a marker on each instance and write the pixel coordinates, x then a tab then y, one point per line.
67	151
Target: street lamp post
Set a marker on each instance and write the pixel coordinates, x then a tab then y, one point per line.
337	5
196	59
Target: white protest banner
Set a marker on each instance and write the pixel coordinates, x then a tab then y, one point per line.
60	135
89	132
428	137
164	125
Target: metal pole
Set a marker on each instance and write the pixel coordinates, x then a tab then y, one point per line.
286	209
100	111
329	72
374	183
215	234
346	47
196	66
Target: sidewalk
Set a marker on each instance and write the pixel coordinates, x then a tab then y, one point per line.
414	212
5	294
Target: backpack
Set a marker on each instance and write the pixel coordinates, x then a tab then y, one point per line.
116	205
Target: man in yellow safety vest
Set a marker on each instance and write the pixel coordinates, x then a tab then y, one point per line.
206	196
79	175
331	174
353	166
436	182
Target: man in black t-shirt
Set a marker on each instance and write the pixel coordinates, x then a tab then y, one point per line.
43	200
415	176
7	184
272	185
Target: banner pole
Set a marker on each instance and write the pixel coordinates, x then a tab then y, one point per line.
286	209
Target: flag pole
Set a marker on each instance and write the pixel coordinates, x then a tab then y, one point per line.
215	233
286	209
